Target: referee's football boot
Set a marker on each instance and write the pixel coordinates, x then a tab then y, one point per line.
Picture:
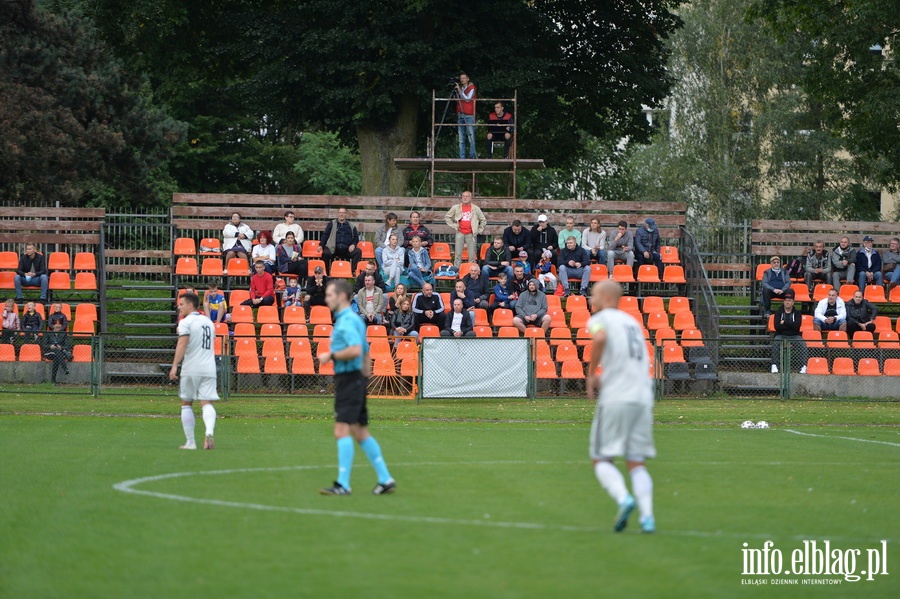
625	509
384	488
337	489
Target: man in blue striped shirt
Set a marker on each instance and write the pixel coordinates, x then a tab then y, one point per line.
350	353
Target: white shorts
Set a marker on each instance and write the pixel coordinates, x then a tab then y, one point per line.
622	430
198	388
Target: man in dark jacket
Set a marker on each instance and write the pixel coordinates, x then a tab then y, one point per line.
478	286
57	349
543	238
647	245
861	314
497	259
775	283
868	265
787	328
517	239
428	307
458	322
340	240
32	272
315	289
518	284
371	270
574	262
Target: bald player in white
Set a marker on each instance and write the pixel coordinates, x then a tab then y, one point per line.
623	420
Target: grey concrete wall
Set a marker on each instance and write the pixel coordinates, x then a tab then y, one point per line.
807	385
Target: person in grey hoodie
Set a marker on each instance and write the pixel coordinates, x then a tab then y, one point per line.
531	309
621	246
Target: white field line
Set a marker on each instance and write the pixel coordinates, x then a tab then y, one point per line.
892	444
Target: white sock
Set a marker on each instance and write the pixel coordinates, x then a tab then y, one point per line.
187	421
642	485
209	419
611	480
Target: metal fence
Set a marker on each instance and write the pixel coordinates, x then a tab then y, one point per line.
706	310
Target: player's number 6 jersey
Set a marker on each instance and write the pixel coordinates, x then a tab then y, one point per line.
626	366
199	357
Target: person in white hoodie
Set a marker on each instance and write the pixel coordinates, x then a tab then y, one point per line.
237	239
831	313
593	240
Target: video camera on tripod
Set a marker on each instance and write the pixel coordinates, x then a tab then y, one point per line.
452	83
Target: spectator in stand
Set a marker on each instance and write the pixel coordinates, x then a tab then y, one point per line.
264	251
843	263
468	221
519	284
371	302
383	235
775	282
340	239
593	240
393	258
861	314
32	272
214	305
289	259
415	229
575	263
289	224
522	260
32	321
57	349
460	292
293	295
831	313
315	289
56	316
498	259
544	238
500	128
531	309
621	247
501	294
428	307
818	266
890	261
458	322
569	231
262	287
398	296
237	239
545	274
465	115
371	270
478	286
868	265
787	328
403	320
647	245
419	263
11	325
517	239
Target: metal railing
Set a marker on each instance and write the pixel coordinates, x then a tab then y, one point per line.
706	310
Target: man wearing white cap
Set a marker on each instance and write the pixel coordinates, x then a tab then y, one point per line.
544	239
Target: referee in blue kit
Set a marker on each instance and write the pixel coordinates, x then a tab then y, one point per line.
350	353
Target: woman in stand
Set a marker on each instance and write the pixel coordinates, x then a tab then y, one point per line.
265	251
288	258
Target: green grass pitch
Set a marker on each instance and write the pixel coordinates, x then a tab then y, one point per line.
494	500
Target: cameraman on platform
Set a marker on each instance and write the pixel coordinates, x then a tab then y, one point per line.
465	115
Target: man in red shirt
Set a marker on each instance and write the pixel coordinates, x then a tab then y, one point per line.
465	115
262	287
469	221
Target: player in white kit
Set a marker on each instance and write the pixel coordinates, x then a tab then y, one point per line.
623	421
195	353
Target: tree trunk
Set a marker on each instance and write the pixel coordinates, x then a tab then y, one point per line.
378	146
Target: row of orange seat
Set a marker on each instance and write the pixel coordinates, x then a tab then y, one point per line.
846	367
58	281
55	261
32	352
882	324
83	311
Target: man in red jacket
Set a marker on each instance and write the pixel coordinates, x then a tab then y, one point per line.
465	115
262	287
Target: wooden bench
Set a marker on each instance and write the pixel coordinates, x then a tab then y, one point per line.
792	238
69	230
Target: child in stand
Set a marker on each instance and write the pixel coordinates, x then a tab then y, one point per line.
501	293
292	295
214	304
547	278
522	260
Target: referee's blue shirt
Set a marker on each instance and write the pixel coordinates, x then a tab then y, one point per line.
349	330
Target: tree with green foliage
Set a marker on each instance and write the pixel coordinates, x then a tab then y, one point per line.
367	70
76	127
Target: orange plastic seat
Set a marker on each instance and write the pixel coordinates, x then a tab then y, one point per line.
275	365
482	252
248	364
440	251
669	254
586	352
267	315
319	315
508	332
81	353
546	369
86	281
895	295
409	365
868	367
83	326
429	330
341	269
801	292
301	357
674	274
629	303
7	280
245	346
483	331
84	312
648	273
579	319
883	324
85	261
843	366
560	335
863	340
888	340
270	330
212	267
691	338
322	331
221	329
572	369
272	347
599	272
817	366
813	338
237	297
892	367
583	337
366	250
324	346
481	317
622	273
376	331
244	329
7	352
406	348
238	267
658	320
210	246
534	333
679	304
557	318
186	267
9	261
672	353
295	331
574	303
185	246
837	339
60	281
665	335
761	270
241	313
294	315
30	352
445	298
684	321
311	249
502	318
554	302
820	291
875	294
59	261
652	304
464	269
847	291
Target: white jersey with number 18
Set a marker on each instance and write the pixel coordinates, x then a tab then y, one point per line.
199	358
626	366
